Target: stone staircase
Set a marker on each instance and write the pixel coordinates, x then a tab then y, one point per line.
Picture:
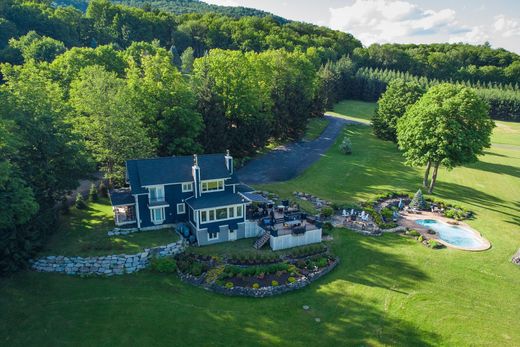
262	240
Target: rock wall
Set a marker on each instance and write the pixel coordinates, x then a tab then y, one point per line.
105	265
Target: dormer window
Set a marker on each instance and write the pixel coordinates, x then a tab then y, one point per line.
212	186
156	193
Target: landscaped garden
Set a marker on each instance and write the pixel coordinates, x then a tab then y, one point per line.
388	290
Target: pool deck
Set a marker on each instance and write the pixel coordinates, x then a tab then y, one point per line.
408	220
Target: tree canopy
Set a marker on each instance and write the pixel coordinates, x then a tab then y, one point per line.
448	126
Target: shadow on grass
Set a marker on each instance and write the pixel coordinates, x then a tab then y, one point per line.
496	168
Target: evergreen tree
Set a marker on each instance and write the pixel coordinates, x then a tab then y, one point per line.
418	202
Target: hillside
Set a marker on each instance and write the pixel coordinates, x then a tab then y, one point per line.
180	7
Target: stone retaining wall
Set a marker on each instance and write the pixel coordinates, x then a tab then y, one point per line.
105	265
264	291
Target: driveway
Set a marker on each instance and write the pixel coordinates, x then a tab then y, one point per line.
288	161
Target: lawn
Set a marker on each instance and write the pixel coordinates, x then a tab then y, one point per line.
388	290
360	111
315	127
84	232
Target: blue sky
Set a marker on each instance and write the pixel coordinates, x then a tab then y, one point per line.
421	21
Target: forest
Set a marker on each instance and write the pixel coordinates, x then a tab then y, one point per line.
84	91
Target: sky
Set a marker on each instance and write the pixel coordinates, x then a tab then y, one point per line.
401	21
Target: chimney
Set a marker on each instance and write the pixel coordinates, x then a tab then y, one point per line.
195	172
229	162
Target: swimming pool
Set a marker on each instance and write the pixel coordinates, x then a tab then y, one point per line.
455	235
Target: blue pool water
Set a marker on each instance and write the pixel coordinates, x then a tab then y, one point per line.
453	234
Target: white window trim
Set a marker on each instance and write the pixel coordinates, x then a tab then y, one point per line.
152	215
160	187
214	190
187	190
212	238
236	216
183	205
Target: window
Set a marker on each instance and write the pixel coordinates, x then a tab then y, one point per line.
212	236
211	186
221	213
156	193
187	187
157	214
181	208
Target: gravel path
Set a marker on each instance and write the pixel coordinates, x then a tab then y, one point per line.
288	161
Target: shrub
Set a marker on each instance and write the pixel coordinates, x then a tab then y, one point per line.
322	262
103	190
387	213
229	285
420	238
93	193
80	203
413	232
327	211
431	232
256	286
196	269
346	146
434	244
163	265
291	279
274	283
327	226
418	201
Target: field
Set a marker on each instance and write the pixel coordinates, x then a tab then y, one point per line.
389	290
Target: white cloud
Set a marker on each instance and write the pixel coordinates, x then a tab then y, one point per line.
477	35
506	27
394	21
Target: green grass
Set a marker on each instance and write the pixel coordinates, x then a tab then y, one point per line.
315	127
360	111
84	232
388	290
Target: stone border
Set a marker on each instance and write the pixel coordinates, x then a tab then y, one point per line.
108	265
126	231
260	292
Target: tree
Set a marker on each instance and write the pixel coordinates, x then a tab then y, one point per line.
80	202
418	202
39	48
93	193
109	126
187	59
165	103
392	105
448	126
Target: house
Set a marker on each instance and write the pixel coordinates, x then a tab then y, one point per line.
200	191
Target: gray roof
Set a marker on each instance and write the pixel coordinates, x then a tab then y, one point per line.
165	170
216	199
121	197
255	197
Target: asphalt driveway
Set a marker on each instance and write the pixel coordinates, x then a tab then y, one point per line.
288	161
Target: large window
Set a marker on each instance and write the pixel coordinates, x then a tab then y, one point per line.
157	215
212	186
156	193
223	213
187	187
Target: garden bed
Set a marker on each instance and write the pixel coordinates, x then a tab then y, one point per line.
289	273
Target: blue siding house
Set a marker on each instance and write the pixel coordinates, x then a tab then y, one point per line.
200	191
